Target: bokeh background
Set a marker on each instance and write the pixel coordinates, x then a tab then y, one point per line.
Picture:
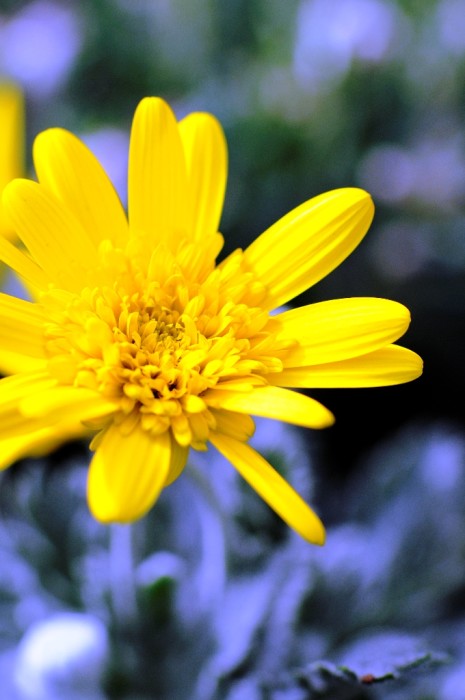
210	597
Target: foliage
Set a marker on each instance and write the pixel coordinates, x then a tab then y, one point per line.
229	603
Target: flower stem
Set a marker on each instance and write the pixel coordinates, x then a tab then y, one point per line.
122	579
211	574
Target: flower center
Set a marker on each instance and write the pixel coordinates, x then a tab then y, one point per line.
157	349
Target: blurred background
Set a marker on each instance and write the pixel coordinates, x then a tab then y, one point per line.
313	95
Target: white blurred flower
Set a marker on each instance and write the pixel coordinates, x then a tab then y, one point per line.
441	468
450	20
330	35
39	45
62	658
401	249
432	172
390	171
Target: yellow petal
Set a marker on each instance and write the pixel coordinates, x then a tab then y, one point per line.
20	263
127	474
157	181
65	403
43	405
15	363
266	481
205	151
273	402
309	242
37	443
385	367
335	330
14	389
12	132
240	427
178	461
21	327
54	237
71	171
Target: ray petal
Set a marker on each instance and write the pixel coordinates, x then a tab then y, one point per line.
38	442
69	403
71	171
309	242
206	160
12	132
21	327
275	490
274	402
238	426
127	474
25	268
44	405
54	237
15	388
178	461
335	330
157	181
14	363
384	367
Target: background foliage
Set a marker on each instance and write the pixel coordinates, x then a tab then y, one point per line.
222	601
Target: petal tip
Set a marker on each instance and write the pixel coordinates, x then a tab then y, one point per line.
418	366
107	510
14	189
152	106
48	138
314	532
320	539
356	197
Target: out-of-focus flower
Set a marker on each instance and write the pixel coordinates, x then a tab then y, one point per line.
11	141
39	45
136	336
331	35
63	656
397	174
450	18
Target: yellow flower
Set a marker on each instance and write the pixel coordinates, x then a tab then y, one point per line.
139	338
11	142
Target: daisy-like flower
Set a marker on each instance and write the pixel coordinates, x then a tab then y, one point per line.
139	338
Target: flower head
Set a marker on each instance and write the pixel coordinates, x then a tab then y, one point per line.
138	337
